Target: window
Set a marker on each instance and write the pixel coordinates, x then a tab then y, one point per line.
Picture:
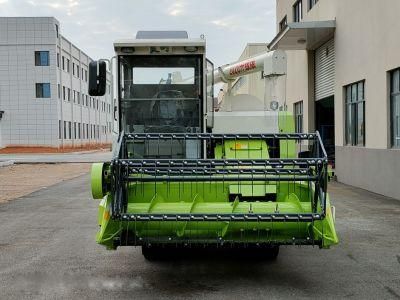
65	129
355	114
298	11
69	94
311	3
43	90
59	129
75	135
69	130
41	58
56	30
58	60
283	24
63	63
87	131
79	130
82	73
79	98
395	107
74	94
68	62
59	91
63	92
86	75
298	116
77	71
73	69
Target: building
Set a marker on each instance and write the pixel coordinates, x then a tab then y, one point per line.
44	89
253	84
343	80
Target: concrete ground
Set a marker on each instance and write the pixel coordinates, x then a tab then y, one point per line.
47	250
18	180
73	157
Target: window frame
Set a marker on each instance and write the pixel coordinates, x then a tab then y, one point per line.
352	104
65	130
298	113
392	98
311	4
41	60
283	24
41	91
298	11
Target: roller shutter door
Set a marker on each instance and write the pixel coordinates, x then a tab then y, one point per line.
325	70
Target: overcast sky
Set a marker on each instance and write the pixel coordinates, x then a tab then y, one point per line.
93	25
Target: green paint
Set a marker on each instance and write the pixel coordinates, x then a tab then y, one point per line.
191	197
96	176
217	197
286	125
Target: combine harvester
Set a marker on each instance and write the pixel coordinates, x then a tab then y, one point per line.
183	175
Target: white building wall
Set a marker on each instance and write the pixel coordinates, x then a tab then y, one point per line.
366	48
28	121
252	84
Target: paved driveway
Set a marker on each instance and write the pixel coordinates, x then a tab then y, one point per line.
47	250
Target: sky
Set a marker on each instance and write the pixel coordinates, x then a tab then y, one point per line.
93	25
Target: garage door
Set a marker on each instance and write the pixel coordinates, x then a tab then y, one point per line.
325	70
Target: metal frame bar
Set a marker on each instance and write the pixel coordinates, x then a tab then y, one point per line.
206	170
307	217
219	136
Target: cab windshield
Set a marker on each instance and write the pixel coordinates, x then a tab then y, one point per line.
160	93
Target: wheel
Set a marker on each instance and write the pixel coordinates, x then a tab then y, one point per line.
156	253
151	253
272	253
268	253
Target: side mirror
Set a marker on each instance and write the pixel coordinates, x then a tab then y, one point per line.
97	78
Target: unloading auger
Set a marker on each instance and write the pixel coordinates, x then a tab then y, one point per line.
183	175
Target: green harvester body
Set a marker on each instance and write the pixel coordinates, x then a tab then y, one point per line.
175	182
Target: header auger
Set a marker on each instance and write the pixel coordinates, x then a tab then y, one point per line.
176	180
